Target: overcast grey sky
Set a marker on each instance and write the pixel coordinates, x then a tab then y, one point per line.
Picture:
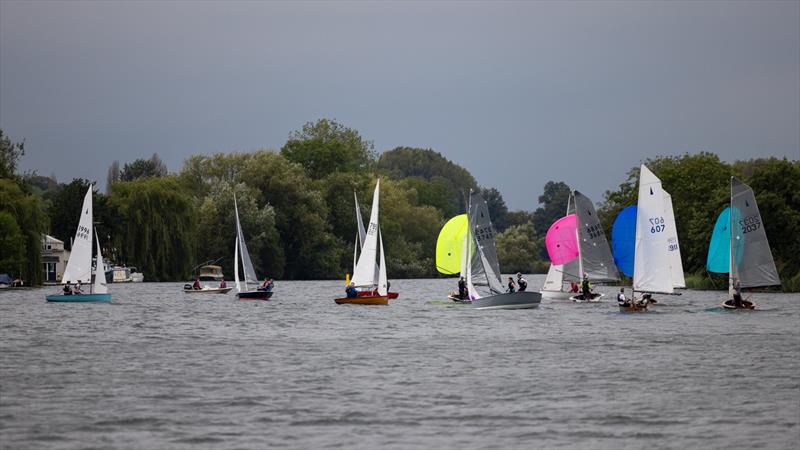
519	93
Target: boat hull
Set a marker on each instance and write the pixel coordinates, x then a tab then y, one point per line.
374	300
254	295
79	298
510	300
390	295
207	291
556	295
459	300
595	299
746	305
636	307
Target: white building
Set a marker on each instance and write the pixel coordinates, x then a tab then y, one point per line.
54	258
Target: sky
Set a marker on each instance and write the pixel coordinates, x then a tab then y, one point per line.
519	93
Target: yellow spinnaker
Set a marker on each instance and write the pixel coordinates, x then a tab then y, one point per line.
450	244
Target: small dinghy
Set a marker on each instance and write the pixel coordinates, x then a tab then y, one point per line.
79	265
369	284
577	245
188	289
739	247
594	297
482	268
243	288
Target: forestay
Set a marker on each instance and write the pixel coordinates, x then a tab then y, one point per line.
651	271
596	258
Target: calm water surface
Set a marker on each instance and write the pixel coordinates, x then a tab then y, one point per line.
159	369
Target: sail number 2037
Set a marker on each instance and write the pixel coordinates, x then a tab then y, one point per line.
750	223
657	224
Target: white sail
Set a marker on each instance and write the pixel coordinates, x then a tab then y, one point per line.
383	285
555	278
355	252
361	233
471	291
365	274
79	265
464	255
651	271
247	264
236	265
673	247
99	274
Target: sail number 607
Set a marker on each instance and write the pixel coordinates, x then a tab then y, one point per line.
657	224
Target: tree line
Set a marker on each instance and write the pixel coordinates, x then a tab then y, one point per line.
296	208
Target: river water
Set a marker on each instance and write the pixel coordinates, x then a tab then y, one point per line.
159	369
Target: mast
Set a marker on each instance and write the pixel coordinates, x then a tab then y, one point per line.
578	239
730	249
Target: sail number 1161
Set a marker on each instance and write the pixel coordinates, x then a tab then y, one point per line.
657	224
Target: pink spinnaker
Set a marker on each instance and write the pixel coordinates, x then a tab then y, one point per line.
562	240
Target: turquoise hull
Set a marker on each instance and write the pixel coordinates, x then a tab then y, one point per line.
80	298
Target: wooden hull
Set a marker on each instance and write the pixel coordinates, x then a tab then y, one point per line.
374	300
79	298
254	295
638	307
390	295
746	305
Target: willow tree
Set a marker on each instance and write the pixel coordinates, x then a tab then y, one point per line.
23	217
158	227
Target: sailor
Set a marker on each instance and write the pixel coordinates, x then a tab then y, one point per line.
268	285
196	285
77	288
67	289
737	293
573	287
586	287
621	298
522	282
462	289
222	284
511	285
351	290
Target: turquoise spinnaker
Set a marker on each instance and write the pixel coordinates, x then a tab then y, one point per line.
719	248
623	240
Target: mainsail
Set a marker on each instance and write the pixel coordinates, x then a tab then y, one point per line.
752	261
651	271
247	263
79	265
366	273
596	259
675	263
483	265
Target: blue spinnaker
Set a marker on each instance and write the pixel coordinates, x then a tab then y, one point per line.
623	240
720	246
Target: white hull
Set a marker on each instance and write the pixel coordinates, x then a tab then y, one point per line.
594	300
556	295
511	300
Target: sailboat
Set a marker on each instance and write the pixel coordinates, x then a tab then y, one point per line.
247	289
79	265
640	242
451	252
482	268
744	253
366	276
577	245
361	237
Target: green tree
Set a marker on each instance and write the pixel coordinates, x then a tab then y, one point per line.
29	216
498	210
10	153
159	227
518	250
553	203
12	243
65	209
326	146
142	168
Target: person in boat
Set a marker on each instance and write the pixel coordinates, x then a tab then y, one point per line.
586	287
521	282
621	299
67	288
462	289
351	290
511	285
196	286
77	289
737	293
574	288
222	284
268	285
